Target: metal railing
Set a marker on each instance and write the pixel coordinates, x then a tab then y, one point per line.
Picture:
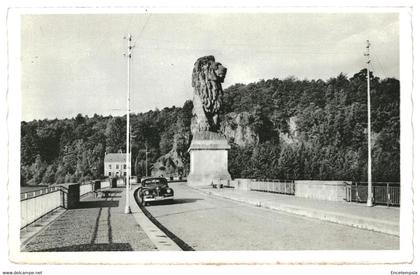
38	192
386	193
273	186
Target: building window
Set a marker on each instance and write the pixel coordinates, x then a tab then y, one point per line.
110	166
125	166
125	173
109	173
117	166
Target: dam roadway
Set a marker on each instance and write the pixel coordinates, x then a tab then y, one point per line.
207	223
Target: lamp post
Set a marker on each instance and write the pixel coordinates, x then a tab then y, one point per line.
127	209
369	201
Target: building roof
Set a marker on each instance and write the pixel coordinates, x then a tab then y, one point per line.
115	157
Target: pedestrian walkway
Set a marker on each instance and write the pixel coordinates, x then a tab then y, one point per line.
98	224
379	218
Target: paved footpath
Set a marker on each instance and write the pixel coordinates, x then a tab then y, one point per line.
99	224
379	218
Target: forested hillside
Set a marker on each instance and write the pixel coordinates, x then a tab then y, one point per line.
73	150
306	129
330	137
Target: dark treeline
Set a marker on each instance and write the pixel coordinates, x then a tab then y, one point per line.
306	129
73	150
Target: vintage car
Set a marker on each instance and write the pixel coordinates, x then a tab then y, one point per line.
155	189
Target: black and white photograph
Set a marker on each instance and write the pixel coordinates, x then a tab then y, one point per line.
210	136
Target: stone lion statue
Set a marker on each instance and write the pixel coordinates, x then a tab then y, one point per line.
207	78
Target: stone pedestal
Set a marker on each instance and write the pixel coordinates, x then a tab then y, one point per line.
208	159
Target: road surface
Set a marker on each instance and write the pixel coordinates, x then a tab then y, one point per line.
208	223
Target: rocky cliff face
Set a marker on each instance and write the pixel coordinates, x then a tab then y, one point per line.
237	129
169	165
292	136
175	162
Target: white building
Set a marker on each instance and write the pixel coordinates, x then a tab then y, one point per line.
115	165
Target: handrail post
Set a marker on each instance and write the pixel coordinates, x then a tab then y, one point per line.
358	199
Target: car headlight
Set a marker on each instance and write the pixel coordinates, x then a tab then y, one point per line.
146	192
168	191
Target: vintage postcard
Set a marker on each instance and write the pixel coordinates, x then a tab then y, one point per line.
210	135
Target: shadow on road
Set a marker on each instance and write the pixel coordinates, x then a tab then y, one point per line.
174	201
179	201
115	197
113	191
97	204
92	247
108	192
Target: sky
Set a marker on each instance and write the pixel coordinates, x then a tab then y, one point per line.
74	63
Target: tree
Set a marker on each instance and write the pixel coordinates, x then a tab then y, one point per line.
60	174
37	170
49	175
29	144
115	135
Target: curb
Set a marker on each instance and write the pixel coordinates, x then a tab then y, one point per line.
159	238
334	217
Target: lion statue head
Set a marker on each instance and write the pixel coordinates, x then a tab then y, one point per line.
207	78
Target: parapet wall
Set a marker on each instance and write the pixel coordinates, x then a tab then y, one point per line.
35	207
321	190
36	204
311	189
